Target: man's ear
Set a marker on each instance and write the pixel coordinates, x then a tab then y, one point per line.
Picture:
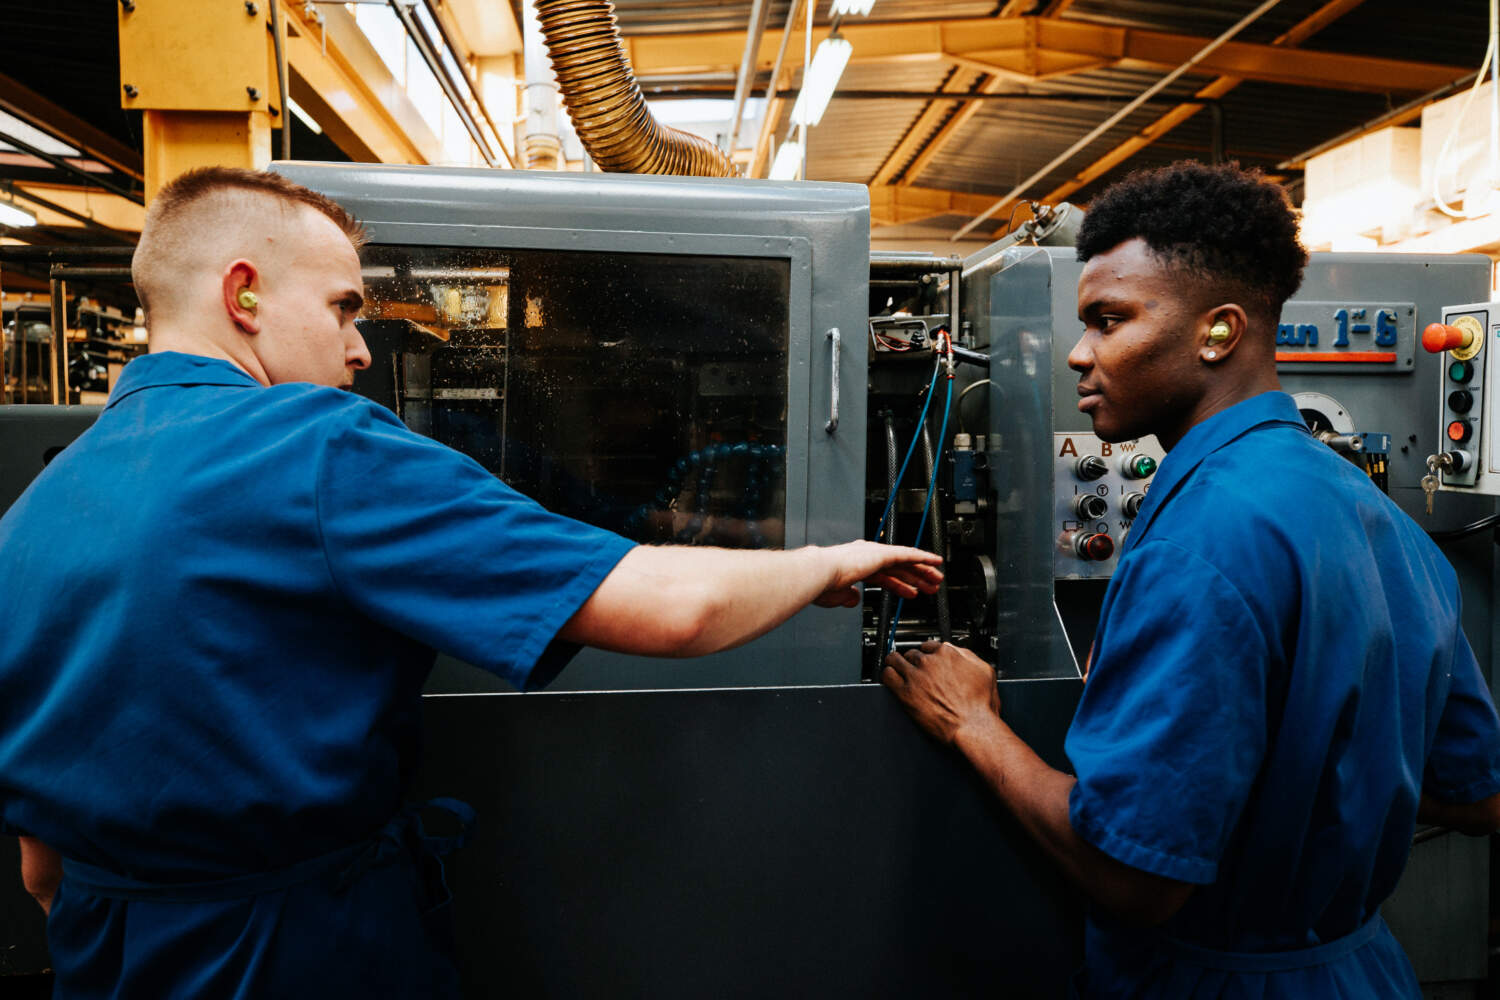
1221	329
240	291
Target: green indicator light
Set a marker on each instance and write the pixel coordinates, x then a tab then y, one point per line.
1144	466
1460	371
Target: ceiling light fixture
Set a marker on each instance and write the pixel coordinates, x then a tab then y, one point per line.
788	161
858	8
12	214
821	79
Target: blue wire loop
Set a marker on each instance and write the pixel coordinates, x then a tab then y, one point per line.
945	360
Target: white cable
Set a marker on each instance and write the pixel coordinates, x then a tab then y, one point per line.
1458	121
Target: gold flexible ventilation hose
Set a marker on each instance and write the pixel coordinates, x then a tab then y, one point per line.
606	103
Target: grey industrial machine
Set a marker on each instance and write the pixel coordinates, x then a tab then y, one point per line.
721	362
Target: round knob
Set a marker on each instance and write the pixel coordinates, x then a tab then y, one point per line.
1090	506
1440	337
1138	467
1093	547
1091	467
1459	431
1460	460
1460	400
1131	505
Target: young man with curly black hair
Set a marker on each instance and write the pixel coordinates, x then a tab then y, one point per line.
1273	701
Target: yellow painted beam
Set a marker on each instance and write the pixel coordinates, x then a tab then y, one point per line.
177	141
1035	47
104	208
340	81
916	137
950	129
892	204
1294	37
26	104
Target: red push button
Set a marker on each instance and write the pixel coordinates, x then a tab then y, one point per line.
1459	430
1439	337
1096	548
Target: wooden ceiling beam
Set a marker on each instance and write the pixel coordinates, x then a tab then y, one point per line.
1039	46
931	119
35	110
1303	30
891	205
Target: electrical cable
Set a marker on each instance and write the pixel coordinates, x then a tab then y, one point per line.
932	481
968	389
1473	528
900	476
921	525
1437	172
281	89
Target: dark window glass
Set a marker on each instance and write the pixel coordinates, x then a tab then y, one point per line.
644	393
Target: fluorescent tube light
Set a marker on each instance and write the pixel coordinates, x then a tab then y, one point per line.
821	79
303	116
857	8
788	160
14	215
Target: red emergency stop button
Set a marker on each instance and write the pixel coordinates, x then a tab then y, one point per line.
1440	337
1093	547
1459	431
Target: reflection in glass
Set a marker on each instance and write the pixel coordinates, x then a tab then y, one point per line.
644	393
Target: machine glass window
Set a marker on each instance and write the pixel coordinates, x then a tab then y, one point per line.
644	393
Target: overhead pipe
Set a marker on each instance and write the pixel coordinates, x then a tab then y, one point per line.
541	145
427	48
605	102
454	51
760	10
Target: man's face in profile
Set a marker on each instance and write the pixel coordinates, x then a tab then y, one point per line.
308	304
1137	358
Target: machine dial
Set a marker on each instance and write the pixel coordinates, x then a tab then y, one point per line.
1130	504
1090	506
1090	468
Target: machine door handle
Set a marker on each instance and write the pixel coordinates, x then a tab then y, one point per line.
833	389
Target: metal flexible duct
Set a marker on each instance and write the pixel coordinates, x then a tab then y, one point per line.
605	102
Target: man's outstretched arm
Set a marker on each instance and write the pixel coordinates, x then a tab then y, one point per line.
680	601
951	693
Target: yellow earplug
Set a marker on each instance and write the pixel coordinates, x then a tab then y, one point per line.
1218	333
247	299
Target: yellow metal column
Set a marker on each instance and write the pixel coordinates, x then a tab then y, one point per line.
198	70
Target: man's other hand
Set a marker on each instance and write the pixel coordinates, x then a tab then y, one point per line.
945	688
904	572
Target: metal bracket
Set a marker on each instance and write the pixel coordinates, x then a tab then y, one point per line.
833	390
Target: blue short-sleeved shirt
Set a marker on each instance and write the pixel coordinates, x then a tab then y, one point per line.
1278	675
221	604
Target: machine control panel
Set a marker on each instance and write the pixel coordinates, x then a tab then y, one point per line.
1470	448
1098	489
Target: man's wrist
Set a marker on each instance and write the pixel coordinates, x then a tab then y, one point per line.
978	730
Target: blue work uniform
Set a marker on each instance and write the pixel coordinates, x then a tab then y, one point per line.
221	604
1278	675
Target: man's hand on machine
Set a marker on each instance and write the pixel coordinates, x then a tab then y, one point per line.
904	572
945	688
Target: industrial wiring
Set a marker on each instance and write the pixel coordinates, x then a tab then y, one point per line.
968	389
946	349
1473	528
1437	172
891	500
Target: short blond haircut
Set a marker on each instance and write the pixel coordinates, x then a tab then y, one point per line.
206	198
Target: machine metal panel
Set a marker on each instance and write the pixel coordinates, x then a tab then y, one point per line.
744	843
822	232
1009	306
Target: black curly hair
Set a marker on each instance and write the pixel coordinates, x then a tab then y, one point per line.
1232	229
